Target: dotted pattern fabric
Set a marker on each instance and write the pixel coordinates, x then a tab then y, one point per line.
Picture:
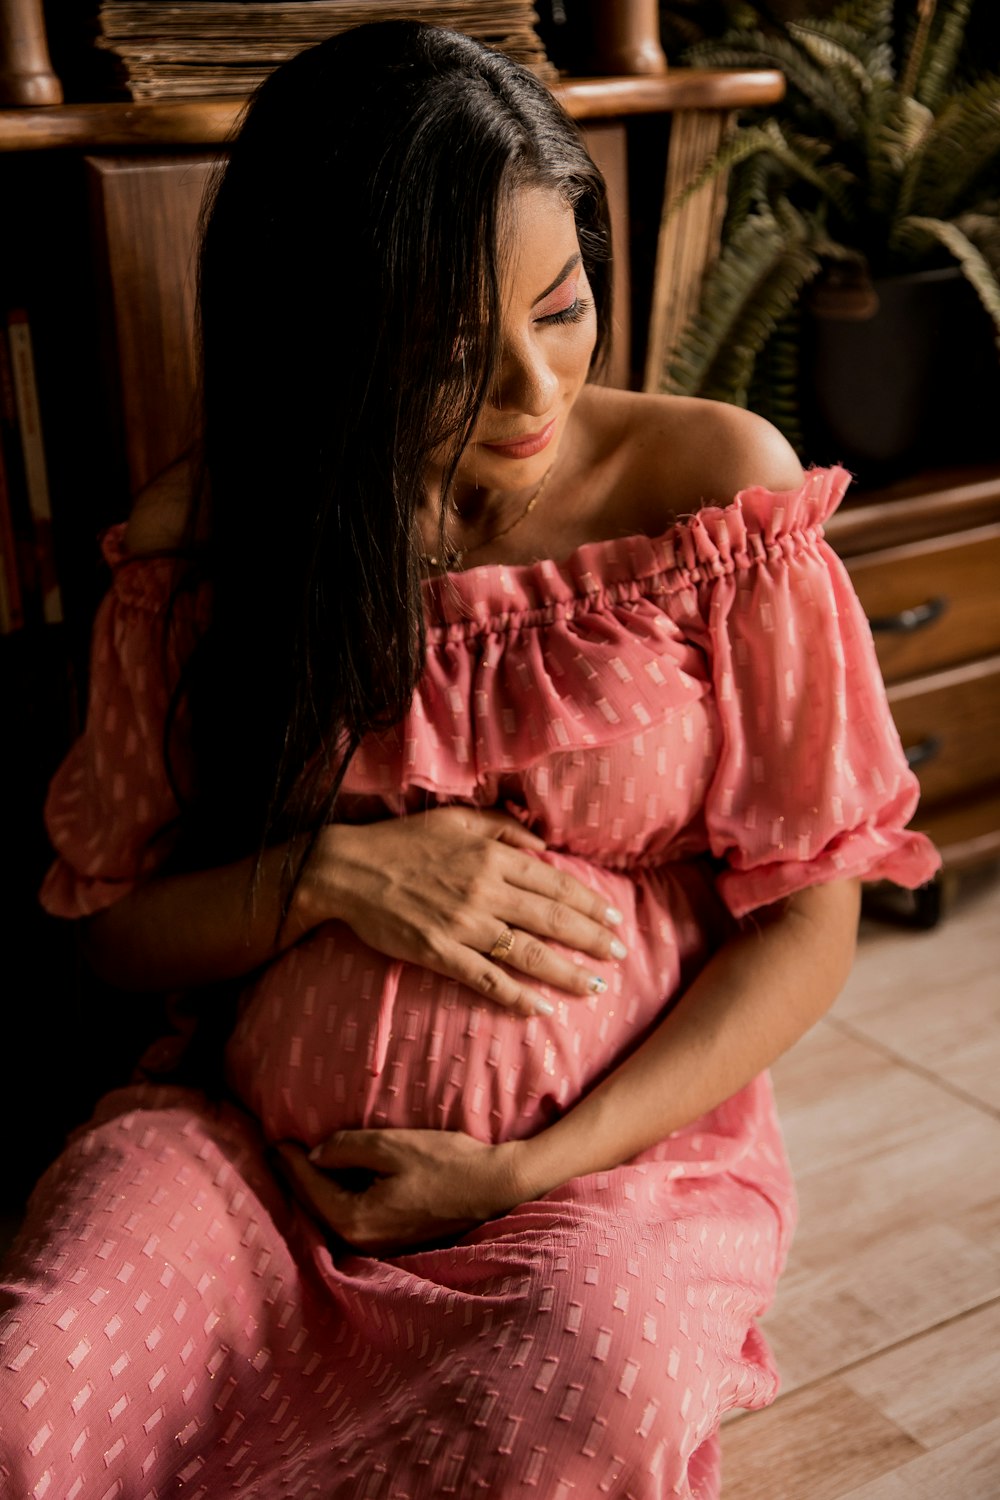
696	725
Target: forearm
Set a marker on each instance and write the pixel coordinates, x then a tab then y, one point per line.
201	927
432	889
189	929
750	1003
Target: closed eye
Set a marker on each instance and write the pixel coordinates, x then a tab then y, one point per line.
574	313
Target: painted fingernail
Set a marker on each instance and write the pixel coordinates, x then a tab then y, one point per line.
618	949
542	1006
596	984
613	915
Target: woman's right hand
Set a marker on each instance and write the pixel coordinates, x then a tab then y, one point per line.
438	888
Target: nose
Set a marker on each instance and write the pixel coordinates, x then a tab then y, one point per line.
526	382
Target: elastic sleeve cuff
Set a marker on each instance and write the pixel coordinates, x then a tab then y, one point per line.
66	893
905	857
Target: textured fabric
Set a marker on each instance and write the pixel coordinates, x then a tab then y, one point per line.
696	726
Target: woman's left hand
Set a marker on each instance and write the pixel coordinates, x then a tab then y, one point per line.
425	1185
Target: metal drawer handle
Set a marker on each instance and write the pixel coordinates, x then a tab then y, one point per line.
911	619
927	749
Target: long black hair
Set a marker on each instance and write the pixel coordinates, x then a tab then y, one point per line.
349	247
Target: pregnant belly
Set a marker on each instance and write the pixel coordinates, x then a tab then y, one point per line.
335	1036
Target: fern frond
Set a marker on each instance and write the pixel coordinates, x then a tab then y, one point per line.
763	178
872	18
841	49
749	190
730	376
838	60
744	262
873	53
753	284
983	229
973	263
962	145
898	128
937	76
916	47
832	250
745	144
806	158
918	122
775	382
801	159
754	49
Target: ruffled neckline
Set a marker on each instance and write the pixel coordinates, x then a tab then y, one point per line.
707	543
757	523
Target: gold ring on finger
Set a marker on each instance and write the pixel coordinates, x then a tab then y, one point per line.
504	943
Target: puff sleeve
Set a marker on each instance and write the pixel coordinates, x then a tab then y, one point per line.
811	784
111	810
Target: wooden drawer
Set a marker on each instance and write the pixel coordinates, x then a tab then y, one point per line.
949	723
932	603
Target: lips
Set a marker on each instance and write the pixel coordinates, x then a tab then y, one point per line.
524	447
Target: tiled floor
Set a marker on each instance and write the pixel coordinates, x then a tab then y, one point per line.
887	1323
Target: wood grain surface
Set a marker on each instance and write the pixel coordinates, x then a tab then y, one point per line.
886	1326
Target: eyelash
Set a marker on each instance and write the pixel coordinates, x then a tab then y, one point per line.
573	314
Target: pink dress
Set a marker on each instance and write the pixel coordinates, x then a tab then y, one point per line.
696	725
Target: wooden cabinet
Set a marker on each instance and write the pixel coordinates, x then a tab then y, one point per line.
934	602
144	212
924	556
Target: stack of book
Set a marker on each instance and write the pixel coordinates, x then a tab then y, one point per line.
29	588
220	48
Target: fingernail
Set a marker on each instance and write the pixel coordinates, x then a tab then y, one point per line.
315	1153
596	984
618	949
613	915
542	1006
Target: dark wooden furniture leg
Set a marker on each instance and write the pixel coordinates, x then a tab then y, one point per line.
26	75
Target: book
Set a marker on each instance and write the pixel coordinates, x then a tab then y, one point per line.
11	606
218	48
22	364
22	566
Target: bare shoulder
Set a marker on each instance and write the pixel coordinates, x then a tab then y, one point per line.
735	449
680	453
160	513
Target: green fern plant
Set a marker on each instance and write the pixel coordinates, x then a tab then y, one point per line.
879	161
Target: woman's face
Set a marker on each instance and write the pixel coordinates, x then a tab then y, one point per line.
548	335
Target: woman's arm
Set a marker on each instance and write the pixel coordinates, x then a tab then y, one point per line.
750	1003
172	931
435	889
756	997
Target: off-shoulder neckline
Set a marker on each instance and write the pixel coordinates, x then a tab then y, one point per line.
706	540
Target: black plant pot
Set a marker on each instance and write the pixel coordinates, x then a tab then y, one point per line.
913	385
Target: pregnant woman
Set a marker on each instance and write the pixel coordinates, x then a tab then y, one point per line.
514	748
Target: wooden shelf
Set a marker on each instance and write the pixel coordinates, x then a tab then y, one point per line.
967	833
912	510
684	88
205	122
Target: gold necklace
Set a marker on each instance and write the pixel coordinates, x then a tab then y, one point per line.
459	554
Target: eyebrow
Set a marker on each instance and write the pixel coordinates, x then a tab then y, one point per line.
573	261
